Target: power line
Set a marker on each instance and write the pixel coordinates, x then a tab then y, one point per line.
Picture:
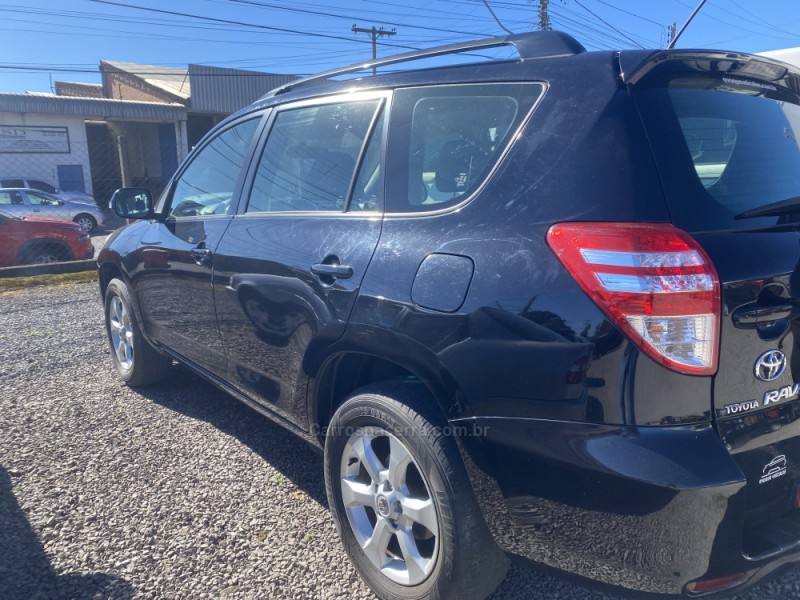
244	24
348	17
494	16
583	6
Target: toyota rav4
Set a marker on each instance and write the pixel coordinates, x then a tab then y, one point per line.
542	306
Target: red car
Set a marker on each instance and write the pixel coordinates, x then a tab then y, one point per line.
40	240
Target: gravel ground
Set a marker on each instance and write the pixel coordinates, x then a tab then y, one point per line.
177	491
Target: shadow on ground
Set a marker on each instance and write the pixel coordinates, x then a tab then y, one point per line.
25	569
190	395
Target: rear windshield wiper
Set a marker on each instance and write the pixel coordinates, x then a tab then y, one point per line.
775	209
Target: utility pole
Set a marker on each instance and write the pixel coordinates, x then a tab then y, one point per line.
544	16
376	33
671	35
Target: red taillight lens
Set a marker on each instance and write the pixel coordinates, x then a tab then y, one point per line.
654	281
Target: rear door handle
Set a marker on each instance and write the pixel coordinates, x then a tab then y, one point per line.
201	255
335	271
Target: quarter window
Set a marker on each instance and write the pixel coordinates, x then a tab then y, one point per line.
446	139
310	157
207	185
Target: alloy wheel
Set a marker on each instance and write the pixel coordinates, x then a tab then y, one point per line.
119	322
389	506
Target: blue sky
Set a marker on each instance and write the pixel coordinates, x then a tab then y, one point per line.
66	39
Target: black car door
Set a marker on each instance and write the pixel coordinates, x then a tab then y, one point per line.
172	267
288	269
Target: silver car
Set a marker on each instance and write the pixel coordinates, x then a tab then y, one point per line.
44	186
27	202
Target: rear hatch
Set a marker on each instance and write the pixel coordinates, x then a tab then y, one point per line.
725	130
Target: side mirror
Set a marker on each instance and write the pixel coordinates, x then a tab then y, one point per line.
132	203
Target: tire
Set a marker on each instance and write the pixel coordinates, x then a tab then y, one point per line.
137	362
389	433
41	252
87	222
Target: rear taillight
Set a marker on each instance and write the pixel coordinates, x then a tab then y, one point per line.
654	281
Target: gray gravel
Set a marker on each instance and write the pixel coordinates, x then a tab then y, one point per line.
177	491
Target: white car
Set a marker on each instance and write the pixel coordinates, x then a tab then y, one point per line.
43	186
26	203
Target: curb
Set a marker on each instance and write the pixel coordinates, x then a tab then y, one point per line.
73	266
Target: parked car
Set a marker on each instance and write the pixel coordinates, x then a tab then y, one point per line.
44	186
24	202
32	240
524	307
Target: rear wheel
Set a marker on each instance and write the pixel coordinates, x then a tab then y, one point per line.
403	503
86	222
137	362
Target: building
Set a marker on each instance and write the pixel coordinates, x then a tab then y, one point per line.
133	129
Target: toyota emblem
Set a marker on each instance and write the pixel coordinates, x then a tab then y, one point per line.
770	365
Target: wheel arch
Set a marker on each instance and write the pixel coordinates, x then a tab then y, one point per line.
44	242
344	372
106	272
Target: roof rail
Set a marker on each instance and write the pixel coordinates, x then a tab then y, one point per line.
536	44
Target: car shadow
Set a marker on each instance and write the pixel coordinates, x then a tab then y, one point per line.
192	396
25	569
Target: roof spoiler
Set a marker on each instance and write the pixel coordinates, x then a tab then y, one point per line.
715	62
537	44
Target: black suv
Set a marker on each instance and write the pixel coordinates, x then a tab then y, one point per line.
542	306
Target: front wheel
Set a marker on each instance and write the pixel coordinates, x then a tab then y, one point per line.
137	362
403	503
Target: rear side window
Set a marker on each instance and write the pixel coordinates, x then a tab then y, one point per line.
13	183
722	150
42	186
310	158
444	140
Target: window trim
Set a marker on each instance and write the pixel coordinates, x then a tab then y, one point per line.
383	96
164	203
466	199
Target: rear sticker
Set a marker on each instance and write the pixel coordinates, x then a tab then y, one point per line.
753	84
773	469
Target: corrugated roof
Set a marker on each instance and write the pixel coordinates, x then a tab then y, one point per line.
219	90
169	79
101	108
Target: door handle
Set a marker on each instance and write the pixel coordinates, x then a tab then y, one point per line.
201	255
334	271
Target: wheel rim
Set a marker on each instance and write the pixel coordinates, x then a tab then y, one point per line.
85	223
389	506
45	258
119	324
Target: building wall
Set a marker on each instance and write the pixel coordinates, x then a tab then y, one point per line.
44	165
75	89
122	86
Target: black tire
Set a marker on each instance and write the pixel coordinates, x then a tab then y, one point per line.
42	252
467	564
89	220
146	364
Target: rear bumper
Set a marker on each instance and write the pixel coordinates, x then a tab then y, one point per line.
649	509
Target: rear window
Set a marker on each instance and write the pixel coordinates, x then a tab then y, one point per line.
723	148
